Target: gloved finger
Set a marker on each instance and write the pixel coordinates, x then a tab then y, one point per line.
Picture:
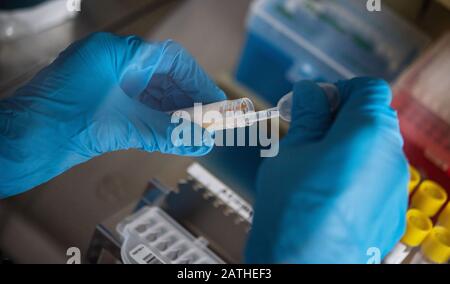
161	132
163	75
365	103
311	113
364	96
179	81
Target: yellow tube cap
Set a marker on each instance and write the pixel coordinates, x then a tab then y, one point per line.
436	247
414	179
429	198
418	226
444	218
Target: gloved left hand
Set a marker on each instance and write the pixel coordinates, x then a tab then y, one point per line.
104	93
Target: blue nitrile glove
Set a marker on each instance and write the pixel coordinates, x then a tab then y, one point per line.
104	93
339	184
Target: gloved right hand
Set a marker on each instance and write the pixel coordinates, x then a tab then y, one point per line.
339	184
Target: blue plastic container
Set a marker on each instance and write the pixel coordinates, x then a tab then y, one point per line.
291	40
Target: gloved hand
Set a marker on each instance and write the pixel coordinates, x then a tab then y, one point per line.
339	184
103	93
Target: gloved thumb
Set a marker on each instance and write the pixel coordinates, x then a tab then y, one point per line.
311	113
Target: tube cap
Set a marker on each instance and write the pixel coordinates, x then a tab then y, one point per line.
444	218
429	198
418	226
436	247
414	179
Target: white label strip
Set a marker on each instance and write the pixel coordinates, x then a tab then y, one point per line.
221	191
143	255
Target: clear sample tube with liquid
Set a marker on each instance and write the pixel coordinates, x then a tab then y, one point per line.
221	115
238	113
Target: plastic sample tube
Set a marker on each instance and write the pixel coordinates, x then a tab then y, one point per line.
241	112
444	217
414	180
418	226
429	198
435	249
221	115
